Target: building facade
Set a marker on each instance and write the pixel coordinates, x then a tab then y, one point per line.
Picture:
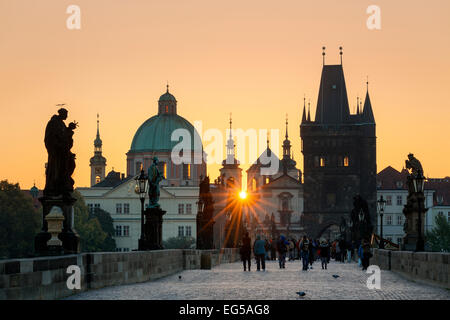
179	188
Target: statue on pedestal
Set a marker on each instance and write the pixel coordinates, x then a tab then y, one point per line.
360	216
58	189
154	178
205	220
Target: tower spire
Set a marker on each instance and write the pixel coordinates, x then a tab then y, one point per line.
304	110
286	126
309	110
340	53
357	104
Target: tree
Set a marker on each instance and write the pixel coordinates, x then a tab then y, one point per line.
106	222
439	237
19	222
92	236
179	243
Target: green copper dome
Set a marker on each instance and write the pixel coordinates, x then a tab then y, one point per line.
155	133
167	97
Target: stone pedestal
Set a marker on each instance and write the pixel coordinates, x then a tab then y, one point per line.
69	238
152	239
205	232
55	220
414	204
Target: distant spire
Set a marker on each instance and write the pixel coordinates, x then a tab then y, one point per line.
323	55
231	137
304	110
98	125
340	53
286	126
98	141
367	113
309	111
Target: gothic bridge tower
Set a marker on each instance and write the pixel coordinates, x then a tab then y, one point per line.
339	151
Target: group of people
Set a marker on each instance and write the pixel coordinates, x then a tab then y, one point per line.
306	249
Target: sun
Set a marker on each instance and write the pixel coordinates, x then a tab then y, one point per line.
242	194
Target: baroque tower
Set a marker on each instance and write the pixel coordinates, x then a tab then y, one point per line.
230	170
339	151
97	162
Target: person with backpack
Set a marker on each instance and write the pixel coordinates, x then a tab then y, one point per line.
304	252
260	253
282	248
246	251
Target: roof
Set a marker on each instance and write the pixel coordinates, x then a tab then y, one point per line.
112	180
167	97
441	196
156	132
332	103
391	179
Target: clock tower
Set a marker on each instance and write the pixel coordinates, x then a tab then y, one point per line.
97	162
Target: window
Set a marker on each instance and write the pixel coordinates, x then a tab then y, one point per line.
118	231
188	231
254	185
90	207
399	184
346	161
126	208
186	171
399	200
167	109
126	249
138	167
119	249
118	208
389	200
399	219
126	231
322	161
188	208
97	179
180	231
180	208
389	220
399	240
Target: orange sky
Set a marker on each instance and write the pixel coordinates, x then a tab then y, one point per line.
254	58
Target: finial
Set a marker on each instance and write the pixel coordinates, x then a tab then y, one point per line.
231	136
340	53
167	86
367	83
286	125
357	104
267	139
323	55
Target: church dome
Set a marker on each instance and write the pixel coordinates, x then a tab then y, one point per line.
155	133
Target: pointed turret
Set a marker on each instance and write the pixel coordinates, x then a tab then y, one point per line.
304	111
97	162
309	111
367	114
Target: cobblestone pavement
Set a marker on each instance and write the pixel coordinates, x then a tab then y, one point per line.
229	281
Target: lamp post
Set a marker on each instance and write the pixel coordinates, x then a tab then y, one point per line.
419	181
381	204
141	189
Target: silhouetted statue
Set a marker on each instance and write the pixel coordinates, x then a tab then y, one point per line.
413	164
361	223
154	178
61	161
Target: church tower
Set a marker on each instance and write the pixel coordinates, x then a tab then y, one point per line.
230	170
97	162
339	151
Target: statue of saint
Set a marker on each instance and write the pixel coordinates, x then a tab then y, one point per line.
413	164
154	178
61	161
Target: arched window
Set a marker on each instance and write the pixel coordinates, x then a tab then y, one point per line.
254	184
97	179
322	161
167	109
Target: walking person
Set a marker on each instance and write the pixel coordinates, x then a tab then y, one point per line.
282	248
304	252
343	248
338	252
324	253
246	251
366	254
273	250
259	249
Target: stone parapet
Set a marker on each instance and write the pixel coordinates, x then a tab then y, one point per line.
429	267
46	277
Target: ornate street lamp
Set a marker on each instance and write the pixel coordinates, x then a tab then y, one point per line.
419	183
142	189
381	204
